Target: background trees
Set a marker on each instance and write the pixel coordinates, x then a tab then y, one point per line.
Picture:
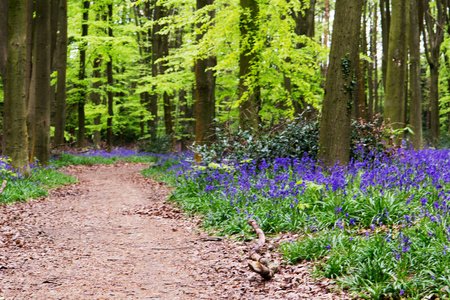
162	71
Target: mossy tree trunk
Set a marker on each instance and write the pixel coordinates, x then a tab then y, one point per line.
249	90
61	66
82	76
334	136
205	81
434	36
397	60
15	145
157	53
304	25
42	53
415	81
385	12
3	35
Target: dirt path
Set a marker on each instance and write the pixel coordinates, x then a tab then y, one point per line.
112	236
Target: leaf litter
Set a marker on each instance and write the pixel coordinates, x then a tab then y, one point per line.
113	235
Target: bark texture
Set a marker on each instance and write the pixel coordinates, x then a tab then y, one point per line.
434	36
249	94
157	53
415	82
334	136
394	107
61	50
41	135
82	76
14	114
205	92
304	25
109	75
4	4
385	12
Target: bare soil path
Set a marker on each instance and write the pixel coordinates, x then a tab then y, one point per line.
112	236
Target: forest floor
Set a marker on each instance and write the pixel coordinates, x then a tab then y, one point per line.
113	236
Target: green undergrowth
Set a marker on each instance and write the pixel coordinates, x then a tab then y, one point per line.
66	159
34	186
381	232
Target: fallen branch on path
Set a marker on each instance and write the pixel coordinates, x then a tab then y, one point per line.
258	264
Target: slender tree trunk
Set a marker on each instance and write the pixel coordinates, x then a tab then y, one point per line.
248	65
109	72
359	97
42	51
4	7
167	99
96	96
304	25
184	109
434	103
416	93
396	72
82	77
61	45
14	114
145	53
54	30
31	26
372	79
325	35
434	28
385	27
156	54
334	136
205	92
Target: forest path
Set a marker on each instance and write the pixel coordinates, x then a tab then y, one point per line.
112	236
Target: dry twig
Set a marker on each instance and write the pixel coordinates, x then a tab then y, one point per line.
258	264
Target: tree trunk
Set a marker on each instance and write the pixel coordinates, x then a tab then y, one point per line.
156	54
82	76
109	72
42	52
14	114
96	97
54	31
371	79
3	35
143	38
325	35
304	25
434	103
435	31
167	99
4	7
385	27
359	96
334	136
415	85
61	46
394	108
248	65
205	81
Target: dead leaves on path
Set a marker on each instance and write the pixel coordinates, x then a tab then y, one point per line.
217	265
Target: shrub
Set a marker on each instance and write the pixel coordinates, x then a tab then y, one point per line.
291	139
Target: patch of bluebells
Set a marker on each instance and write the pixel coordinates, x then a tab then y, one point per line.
119	152
7	172
411	211
289	180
